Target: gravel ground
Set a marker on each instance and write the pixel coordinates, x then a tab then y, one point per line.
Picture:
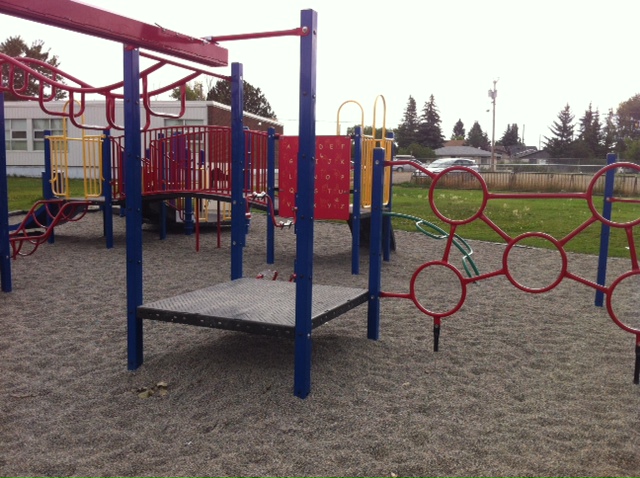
523	384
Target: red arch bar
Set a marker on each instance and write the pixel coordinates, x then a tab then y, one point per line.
82	18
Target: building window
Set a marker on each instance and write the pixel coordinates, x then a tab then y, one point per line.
169	122
40	126
15	131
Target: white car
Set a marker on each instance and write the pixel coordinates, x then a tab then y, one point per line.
441	164
405	167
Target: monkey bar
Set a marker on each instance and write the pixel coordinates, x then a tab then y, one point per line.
28	68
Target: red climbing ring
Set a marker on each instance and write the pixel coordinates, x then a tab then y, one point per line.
612	313
463	289
473	217
597	214
552	240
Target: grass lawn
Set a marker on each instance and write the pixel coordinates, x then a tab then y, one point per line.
556	217
24	192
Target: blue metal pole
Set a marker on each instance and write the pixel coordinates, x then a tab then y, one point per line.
304	203
238	208
189	224
5	245
271	192
605	230
107	212
133	193
357	200
47	189
375	245
386	220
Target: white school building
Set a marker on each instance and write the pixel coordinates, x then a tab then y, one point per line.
25	124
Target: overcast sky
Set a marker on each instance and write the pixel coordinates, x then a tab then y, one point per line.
543	53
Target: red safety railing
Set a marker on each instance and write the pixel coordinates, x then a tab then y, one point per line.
192	160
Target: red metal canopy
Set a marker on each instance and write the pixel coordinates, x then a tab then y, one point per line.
83	18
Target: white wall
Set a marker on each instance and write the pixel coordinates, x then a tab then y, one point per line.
31	161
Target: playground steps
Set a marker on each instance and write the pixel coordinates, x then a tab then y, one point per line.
252	305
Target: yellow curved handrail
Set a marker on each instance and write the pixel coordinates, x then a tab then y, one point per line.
338	119
384	117
368	145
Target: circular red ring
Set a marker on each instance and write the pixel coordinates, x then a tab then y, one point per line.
612	314
555	242
485	194
597	214
426	311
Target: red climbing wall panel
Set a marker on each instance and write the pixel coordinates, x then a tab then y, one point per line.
332	180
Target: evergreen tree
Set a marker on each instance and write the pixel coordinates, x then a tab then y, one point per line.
609	133
458	130
631	151
429	130
510	137
16	47
477	138
629	118
559	145
254	100
590	133
406	132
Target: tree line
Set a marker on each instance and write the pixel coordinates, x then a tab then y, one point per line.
421	134
590	138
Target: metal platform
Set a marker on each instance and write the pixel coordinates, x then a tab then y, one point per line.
255	306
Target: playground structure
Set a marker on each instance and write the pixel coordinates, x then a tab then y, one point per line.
38	225
80	18
186	168
301	306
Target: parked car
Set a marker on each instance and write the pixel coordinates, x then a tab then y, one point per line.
441	164
405	167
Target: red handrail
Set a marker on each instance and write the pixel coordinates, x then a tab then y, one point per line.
58	211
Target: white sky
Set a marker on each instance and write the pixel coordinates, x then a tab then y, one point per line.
544	53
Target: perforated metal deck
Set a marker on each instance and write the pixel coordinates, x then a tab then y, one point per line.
252	305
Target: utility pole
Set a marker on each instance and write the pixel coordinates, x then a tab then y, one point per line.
492	94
